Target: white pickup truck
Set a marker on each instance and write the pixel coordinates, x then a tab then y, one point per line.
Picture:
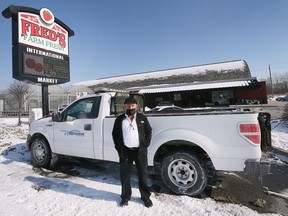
181	147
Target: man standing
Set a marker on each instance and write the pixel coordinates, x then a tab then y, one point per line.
132	136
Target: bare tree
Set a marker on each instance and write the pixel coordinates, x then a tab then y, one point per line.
20	91
280	83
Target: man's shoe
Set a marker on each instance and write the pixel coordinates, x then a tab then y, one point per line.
148	203
124	202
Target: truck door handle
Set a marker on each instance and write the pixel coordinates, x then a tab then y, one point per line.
87	127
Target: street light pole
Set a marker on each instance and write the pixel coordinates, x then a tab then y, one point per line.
271	83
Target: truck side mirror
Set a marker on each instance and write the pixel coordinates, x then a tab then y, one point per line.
56	117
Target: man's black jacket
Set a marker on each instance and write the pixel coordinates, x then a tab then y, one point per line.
144	132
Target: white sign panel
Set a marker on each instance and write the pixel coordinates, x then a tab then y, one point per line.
42	32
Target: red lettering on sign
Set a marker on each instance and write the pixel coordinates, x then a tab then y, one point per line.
41	31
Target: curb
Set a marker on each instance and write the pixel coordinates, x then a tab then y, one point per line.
280	151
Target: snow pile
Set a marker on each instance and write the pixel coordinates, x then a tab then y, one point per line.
8	133
279	134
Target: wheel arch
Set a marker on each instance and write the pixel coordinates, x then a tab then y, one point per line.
173	139
175	145
35	136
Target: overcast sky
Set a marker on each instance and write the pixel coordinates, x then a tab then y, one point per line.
119	37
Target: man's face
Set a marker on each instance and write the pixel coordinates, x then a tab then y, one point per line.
130	106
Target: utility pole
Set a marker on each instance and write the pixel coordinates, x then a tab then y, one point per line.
271	83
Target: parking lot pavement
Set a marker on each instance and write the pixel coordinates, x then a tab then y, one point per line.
275	108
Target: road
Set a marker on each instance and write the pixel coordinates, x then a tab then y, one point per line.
275	108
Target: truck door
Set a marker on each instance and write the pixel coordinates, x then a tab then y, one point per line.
74	134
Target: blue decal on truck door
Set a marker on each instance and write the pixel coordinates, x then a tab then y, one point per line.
72	133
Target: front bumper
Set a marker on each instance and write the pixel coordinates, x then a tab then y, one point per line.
259	168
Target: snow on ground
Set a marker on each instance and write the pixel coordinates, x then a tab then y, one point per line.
26	191
279	134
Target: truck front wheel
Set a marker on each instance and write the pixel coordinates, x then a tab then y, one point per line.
184	173
40	153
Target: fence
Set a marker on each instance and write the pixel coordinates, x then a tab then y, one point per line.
13	114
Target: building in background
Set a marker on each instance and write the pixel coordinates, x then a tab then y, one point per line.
217	84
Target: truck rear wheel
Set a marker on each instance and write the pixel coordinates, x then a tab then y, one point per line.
40	153
184	173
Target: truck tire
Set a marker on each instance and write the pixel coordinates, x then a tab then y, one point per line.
40	153
184	173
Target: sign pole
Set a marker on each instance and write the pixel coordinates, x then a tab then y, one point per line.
45	101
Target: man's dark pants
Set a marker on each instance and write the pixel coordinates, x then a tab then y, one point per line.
125	175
